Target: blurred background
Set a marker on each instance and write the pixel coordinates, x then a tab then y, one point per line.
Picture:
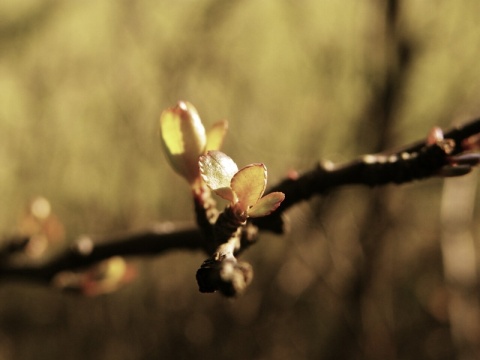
387	273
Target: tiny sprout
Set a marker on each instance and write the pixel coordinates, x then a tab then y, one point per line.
243	188
184	138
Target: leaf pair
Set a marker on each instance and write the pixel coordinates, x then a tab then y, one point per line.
242	188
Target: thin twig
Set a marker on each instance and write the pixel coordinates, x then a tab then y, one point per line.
150	242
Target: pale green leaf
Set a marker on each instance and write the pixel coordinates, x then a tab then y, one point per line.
217	169
216	135
183	138
249	184
227	194
266	205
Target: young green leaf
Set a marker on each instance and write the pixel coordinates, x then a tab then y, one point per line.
217	169
249	184
183	138
216	135
227	194
266	205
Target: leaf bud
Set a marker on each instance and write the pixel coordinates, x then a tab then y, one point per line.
183	138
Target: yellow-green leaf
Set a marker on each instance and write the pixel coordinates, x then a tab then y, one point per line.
183	138
249	184
227	194
216	135
217	169
266	205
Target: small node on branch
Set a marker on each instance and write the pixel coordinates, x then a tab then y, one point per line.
228	276
83	246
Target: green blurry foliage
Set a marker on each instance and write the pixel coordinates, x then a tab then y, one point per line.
82	84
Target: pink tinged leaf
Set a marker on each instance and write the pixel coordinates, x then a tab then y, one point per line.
266	205
217	169
216	135
249	184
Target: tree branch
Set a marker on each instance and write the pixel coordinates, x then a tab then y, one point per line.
85	252
416	161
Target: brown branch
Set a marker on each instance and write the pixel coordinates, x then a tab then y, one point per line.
150	242
415	161
423	161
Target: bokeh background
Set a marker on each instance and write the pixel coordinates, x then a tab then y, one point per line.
388	273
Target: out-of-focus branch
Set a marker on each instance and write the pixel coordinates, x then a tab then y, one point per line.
87	251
